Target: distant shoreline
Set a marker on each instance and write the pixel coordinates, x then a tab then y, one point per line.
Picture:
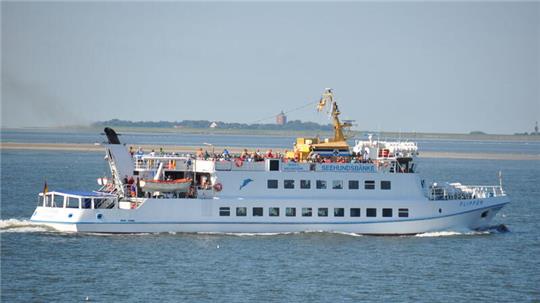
288	133
191	149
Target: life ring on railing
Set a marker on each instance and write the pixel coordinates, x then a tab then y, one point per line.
239	162
218	187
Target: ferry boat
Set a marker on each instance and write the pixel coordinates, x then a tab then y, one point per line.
321	185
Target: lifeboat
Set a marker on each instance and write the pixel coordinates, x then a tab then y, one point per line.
166	186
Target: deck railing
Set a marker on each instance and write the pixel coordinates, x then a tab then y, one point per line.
457	191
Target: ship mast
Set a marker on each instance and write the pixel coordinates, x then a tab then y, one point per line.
328	97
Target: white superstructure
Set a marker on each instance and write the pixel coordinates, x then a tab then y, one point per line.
320	186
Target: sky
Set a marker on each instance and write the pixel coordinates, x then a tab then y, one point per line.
450	67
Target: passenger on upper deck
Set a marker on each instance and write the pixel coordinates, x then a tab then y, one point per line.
269	154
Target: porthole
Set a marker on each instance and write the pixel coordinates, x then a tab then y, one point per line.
70	215
99	216
440	210
484	214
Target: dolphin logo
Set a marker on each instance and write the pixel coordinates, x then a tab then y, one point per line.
245	182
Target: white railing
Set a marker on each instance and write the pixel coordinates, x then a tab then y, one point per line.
456	191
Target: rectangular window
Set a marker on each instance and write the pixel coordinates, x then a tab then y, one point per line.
274	165
306	212
369	184
321	184
241	211
371	212
224	211
355	212
257	211
290	212
385	185
387	212
403	213
58	201
305	184
273	211
322	212
272	184
72	202
337	184
288	184
339	212
353	184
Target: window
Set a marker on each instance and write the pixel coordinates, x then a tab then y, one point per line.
371	212
288	184
58	201
224	211
387	212
337	184
274	165
403	212
369	184
305	184
72	202
272	184
353	184
355	212
306	212
323	212
273	211
339	212
321	184
257	211
290	212
386	185
241	211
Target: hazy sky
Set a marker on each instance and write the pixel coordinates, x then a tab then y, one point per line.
427	67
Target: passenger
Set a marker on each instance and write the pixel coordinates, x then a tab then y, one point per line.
226	154
206	155
269	154
244	154
161	152
125	179
152	153
131	152
199	154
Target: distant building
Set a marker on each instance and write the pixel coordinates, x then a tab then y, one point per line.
281	119
213	125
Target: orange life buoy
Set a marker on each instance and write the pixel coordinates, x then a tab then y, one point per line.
218	187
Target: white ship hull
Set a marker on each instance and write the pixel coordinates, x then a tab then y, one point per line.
194	217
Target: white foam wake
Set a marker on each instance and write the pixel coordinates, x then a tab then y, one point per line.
21	226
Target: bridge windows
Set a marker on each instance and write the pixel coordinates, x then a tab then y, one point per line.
387	212
305	184
386	185
354	184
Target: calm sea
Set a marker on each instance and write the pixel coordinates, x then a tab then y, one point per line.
39	265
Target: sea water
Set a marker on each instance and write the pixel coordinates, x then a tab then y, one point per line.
40	265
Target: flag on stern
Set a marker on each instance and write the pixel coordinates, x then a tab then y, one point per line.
45	188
